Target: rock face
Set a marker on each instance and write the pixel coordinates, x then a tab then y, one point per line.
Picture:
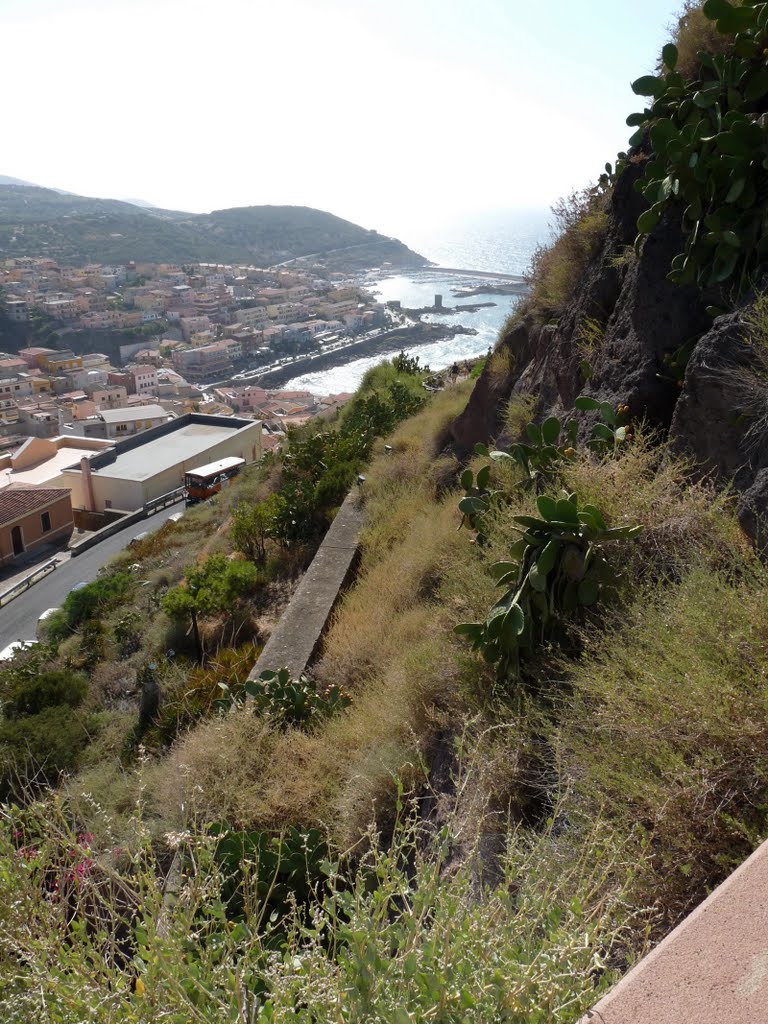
640	318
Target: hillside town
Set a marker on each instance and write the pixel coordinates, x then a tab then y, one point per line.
176	339
181	344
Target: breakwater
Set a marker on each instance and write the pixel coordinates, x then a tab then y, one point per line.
391	341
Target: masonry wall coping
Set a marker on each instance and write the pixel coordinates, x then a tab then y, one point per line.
713	968
296	638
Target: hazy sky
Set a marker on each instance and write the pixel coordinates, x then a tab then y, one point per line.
387	113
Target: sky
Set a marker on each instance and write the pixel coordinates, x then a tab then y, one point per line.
391	114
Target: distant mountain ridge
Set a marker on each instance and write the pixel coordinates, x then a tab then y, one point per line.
76	229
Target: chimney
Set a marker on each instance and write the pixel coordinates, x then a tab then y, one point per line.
85	469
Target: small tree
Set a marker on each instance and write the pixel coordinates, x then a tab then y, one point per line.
216	586
253	525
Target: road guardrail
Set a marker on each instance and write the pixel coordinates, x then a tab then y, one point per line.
28	581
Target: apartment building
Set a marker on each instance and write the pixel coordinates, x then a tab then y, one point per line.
113	424
252	316
114	396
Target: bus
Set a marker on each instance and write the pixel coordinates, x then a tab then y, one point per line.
205	481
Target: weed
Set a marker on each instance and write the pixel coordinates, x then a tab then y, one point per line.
88	933
500	365
590	336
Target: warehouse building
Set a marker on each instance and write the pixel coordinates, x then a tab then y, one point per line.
153	463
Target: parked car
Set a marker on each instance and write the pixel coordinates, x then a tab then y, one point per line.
42	620
16	647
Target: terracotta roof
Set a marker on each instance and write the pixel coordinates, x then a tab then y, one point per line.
16	501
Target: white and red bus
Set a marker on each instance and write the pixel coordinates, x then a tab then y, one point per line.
205	481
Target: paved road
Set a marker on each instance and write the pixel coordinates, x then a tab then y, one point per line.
18	619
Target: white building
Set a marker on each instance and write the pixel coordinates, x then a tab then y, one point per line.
114	424
152	464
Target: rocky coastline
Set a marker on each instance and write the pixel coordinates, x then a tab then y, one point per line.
391	341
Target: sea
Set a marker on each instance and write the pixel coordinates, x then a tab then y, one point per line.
501	242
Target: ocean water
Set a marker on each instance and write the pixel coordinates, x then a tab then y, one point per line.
501	243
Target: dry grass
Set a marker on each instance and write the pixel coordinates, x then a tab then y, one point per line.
216	772
694	32
500	366
581	221
387	645
666	728
686	522
518	414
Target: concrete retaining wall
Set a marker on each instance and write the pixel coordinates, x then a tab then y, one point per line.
297	635
712	969
107	531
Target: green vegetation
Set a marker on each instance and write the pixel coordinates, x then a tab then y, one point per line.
709	138
77	229
215	587
42	730
580	222
425	829
85	603
298	905
288	938
285	701
561	563
319	467
182	615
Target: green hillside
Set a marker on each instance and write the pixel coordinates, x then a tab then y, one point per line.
76	229
535	736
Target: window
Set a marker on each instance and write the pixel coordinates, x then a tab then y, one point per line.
45	521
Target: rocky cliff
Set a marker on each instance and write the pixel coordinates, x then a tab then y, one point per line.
653	347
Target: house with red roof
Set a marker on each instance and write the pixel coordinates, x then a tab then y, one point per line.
31	517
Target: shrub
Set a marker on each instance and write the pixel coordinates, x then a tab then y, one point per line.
30	695
41	732
217	586
253	524
104	593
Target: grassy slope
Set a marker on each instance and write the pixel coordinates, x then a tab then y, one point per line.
600	803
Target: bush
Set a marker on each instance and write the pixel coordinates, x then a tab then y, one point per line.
104	593
35	749
29	696
253	524
41	733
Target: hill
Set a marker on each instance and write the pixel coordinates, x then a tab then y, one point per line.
77	229
535	735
